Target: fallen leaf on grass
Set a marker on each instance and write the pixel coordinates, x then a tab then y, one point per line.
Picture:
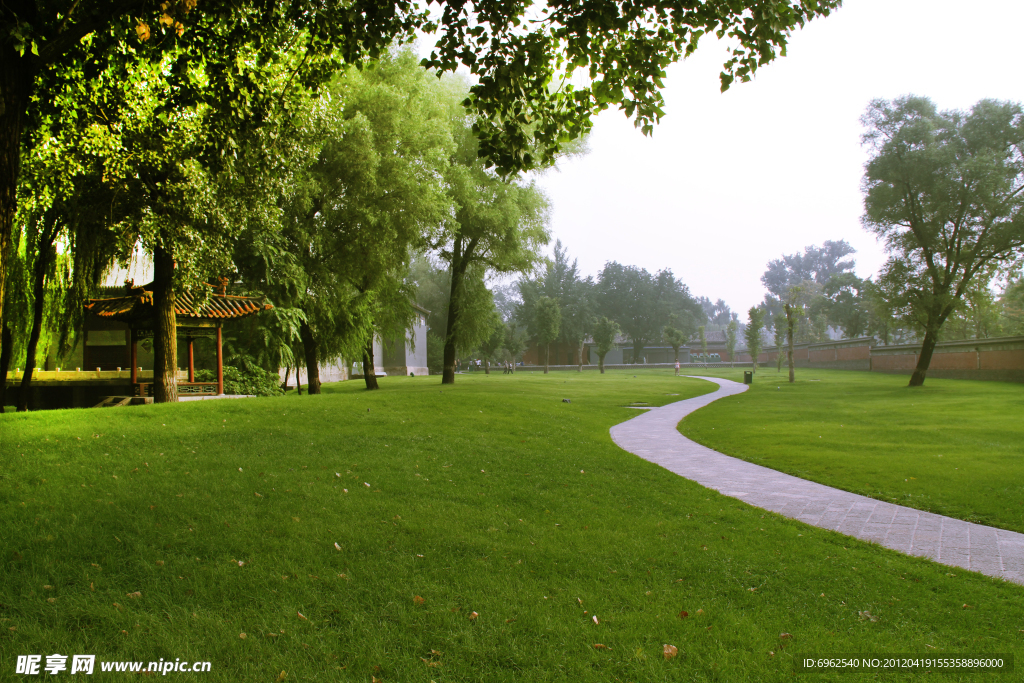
258	496
669	651
242	636
867	616
785	635
417	600
91	587
684	614
159	563
336	546
240	563
136	594
281	676
700	611
473	616
595	619
51	600
48	588
300	615
966	606
509	621
601	646
117	605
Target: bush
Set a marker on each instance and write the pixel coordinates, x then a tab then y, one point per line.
249	380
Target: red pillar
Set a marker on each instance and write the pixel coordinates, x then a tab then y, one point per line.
220	363
191	361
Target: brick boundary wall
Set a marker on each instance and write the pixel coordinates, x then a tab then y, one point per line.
1000	359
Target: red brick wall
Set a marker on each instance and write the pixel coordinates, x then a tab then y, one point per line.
854	352
956	360
1002	360
906	361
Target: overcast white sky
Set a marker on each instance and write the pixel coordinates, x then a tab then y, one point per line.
730	181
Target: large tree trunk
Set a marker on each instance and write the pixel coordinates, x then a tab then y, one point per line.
454	312
547	352
487	365
790	324
931	338
44	249
600	362
17	74
579	351
6	350
165	329
309	346
369	373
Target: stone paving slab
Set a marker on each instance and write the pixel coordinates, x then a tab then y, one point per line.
654	437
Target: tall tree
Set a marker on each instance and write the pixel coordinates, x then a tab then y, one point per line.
547	319
498	226
752	334
641	303
945	190
491	343
605	333
678	330
730	340
779	339
369	191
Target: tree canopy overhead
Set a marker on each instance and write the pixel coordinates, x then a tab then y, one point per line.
522	59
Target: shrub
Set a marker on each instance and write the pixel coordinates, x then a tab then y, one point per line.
247	380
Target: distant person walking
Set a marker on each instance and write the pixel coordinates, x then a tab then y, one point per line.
677	367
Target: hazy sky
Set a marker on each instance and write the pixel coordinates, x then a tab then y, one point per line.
730	181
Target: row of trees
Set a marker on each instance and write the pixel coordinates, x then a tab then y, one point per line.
559	305
382	163
177	128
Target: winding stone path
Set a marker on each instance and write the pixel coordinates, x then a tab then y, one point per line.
654	437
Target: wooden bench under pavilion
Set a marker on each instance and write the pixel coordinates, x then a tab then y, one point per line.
195	319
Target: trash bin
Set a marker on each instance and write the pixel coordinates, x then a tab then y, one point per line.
748	376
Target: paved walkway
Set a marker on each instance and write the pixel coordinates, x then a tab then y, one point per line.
654	437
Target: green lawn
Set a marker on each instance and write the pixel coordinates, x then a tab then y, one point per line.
952	447
484	526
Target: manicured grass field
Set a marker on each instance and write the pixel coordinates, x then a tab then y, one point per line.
953	447
484	528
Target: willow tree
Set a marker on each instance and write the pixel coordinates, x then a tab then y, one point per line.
369	192
497	227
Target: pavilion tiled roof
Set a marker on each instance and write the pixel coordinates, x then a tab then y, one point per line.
137	304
